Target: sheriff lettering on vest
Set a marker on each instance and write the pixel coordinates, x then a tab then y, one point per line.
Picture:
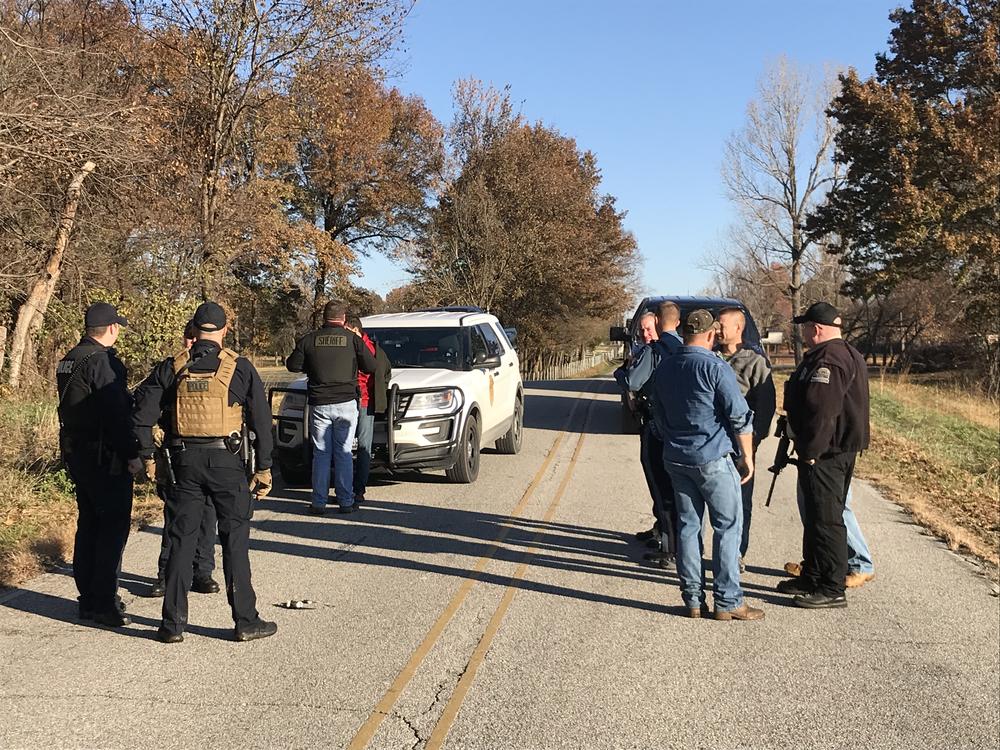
208	394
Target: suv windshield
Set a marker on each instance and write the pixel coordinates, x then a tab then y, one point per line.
422	347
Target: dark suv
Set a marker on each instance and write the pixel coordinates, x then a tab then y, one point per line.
629	335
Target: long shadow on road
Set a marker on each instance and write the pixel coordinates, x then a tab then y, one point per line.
400	528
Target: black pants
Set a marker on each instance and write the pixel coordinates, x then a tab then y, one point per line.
216	475
824	488
660	487
104	503
204	553
746	491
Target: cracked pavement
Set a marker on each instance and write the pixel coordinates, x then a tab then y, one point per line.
592	652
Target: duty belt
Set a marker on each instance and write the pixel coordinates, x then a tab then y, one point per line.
183	445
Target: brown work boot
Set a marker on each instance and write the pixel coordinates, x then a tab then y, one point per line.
794	569
746	612
856	579
699	612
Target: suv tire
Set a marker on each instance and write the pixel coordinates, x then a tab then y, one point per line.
295	477
510	444
466	469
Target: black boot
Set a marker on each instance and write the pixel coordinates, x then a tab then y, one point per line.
114	618
205	585
259	629
817	600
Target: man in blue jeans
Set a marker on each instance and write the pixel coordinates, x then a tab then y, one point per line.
703	419
331	358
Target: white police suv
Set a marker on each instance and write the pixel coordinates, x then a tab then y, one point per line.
455	387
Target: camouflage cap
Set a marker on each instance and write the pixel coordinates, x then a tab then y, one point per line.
699	321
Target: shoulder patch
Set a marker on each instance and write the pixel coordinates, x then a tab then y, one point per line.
821	375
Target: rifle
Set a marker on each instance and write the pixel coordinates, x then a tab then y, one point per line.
782	456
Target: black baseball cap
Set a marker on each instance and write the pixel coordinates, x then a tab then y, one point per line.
102	314
821	312
698	321
209	317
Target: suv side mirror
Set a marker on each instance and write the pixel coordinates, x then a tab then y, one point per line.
511	336
487	362
618	333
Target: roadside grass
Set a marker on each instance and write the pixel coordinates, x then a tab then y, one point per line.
935	450
37	507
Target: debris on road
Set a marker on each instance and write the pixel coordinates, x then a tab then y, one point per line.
297	604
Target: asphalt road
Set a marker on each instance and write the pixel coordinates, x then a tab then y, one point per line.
514	613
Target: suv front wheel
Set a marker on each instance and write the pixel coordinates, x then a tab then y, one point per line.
466	469
510	443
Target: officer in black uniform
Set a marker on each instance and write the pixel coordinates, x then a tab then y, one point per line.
204	556
209	394
98	450
826	400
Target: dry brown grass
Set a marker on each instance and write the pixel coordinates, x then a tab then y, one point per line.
37	508
942	394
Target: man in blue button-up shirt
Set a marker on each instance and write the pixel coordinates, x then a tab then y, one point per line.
703	419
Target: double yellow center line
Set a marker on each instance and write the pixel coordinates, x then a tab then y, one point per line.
385	705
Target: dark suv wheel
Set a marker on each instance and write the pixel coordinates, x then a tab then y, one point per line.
466	469
511	442
295	476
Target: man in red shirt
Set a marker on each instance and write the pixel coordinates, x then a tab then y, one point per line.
372	400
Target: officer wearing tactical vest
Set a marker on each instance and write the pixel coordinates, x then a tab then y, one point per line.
208	394
204	556
99	452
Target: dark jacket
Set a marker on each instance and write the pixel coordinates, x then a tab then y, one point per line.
156	396
94	402
826	400
378	399
331	357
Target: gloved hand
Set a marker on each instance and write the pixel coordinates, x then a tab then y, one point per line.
262	483
149	464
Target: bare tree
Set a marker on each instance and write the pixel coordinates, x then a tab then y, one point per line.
777	168
66	107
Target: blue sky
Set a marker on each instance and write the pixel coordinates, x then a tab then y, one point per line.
652	88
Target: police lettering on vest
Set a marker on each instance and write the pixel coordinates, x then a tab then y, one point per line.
203	409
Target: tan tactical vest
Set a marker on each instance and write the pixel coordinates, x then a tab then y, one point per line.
202	408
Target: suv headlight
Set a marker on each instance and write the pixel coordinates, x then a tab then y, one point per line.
447	400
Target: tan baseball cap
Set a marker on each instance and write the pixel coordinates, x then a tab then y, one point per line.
699	321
